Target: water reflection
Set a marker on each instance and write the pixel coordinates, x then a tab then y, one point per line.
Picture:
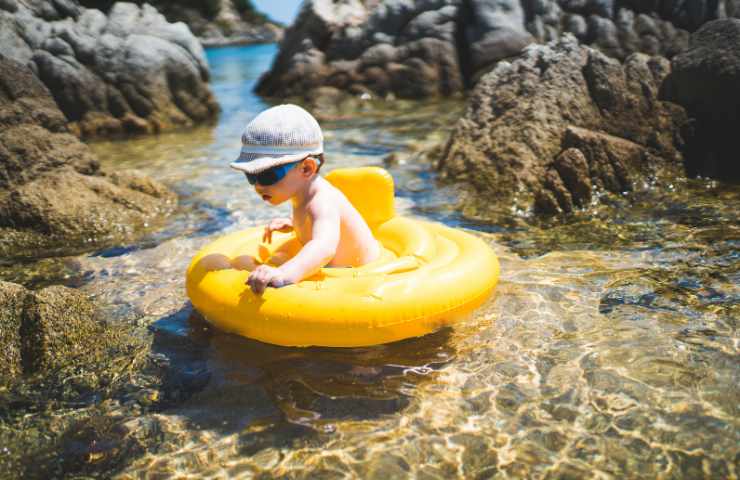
242	381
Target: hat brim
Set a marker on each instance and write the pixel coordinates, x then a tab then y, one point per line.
256	163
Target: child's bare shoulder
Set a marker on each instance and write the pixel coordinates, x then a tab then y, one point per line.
326	200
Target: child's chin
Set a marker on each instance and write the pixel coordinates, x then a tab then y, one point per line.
273	200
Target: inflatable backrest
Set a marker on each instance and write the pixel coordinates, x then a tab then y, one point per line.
369	189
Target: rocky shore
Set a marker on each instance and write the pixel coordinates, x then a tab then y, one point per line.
562	124
622	97
431	48
128	72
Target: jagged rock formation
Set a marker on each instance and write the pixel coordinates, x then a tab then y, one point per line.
214	22
439	47
561	123
706	81
129	72
53	196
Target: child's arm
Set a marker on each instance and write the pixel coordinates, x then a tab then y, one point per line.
316	253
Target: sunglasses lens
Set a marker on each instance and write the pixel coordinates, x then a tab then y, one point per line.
269	177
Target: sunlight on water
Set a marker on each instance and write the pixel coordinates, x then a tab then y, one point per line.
609	350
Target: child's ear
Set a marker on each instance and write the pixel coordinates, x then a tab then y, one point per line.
309	166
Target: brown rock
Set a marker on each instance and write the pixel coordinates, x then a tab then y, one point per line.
523	117
613	162
53	196
573	168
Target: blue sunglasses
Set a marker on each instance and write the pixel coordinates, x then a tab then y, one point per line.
270	176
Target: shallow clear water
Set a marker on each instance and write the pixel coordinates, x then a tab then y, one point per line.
610	348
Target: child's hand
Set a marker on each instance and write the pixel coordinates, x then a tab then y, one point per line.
266	276
277	225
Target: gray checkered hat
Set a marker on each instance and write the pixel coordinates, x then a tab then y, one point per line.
279	135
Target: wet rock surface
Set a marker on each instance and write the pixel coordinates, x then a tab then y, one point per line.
441	47
128	72
53	195
704	79
561	123
61	356
46	329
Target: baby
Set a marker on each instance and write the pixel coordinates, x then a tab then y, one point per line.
282	152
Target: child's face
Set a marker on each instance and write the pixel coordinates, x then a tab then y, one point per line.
287	188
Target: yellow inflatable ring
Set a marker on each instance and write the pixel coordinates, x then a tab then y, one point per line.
428	276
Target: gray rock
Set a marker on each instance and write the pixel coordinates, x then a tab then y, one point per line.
14	45
705	80
380	37
85	59
122	19
439	24
645	25
76	89
494	31
9	5
33	30
378	55
602	8
477	33
92	22
576	25
57	46
82	43
223	26
68	8
604	34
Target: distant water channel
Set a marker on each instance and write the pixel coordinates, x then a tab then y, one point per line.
609	350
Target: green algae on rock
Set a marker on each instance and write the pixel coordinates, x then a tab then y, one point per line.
70	375
45	330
